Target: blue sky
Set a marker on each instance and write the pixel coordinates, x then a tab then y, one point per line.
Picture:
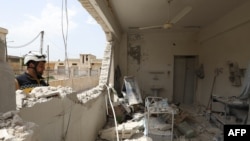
25	19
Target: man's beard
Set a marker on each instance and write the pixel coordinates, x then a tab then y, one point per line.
39	73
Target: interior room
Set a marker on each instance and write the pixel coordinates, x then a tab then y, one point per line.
191	53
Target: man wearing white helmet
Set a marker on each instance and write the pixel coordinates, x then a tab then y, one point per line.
32	77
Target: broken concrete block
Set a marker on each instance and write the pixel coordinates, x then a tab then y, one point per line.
7	115
17	120
20	96
125	130
5	135
120	113
143	138
13	128
186	129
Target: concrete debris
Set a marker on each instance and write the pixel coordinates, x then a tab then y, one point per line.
188	125
125	130
186	129
196	124
120	113
90	94
180	117
40	95
157	125
137	116
13	128
213	130
143	138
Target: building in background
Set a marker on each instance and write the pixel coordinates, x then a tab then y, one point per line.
86	65
16	64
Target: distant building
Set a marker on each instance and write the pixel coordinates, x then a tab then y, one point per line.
86	65
16	63
50	69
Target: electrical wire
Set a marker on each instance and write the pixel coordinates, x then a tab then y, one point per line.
65	41
111	105
65	35
21	46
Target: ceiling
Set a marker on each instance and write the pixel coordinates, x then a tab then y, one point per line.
141	13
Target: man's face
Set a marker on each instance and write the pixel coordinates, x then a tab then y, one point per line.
40	68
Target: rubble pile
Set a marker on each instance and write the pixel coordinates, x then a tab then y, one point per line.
39	95
187	125
192	123
125	130
13	128
90	94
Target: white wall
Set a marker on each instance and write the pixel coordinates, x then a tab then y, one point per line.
77	84
225	40
57	117
157	53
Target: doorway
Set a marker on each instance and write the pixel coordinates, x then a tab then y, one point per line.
184	79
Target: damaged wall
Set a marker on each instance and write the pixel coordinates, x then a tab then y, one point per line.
154	66
224	42
76	117
78	84
63	119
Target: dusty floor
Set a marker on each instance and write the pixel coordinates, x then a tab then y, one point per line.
205	130
194	116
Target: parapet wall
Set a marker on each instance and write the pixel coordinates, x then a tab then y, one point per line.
62	119
77	84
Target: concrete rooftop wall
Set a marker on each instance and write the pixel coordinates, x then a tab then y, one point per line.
77	84
65	120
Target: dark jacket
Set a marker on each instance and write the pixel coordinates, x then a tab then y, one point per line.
28	82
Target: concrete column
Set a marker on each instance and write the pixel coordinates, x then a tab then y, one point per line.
7	83
3	33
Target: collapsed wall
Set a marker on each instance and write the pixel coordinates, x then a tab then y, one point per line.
54	114
58	113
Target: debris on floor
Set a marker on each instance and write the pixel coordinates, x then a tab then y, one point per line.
13	128
190	124
125	130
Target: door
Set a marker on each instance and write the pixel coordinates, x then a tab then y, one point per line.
184	79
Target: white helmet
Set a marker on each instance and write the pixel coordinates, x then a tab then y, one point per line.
34	56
